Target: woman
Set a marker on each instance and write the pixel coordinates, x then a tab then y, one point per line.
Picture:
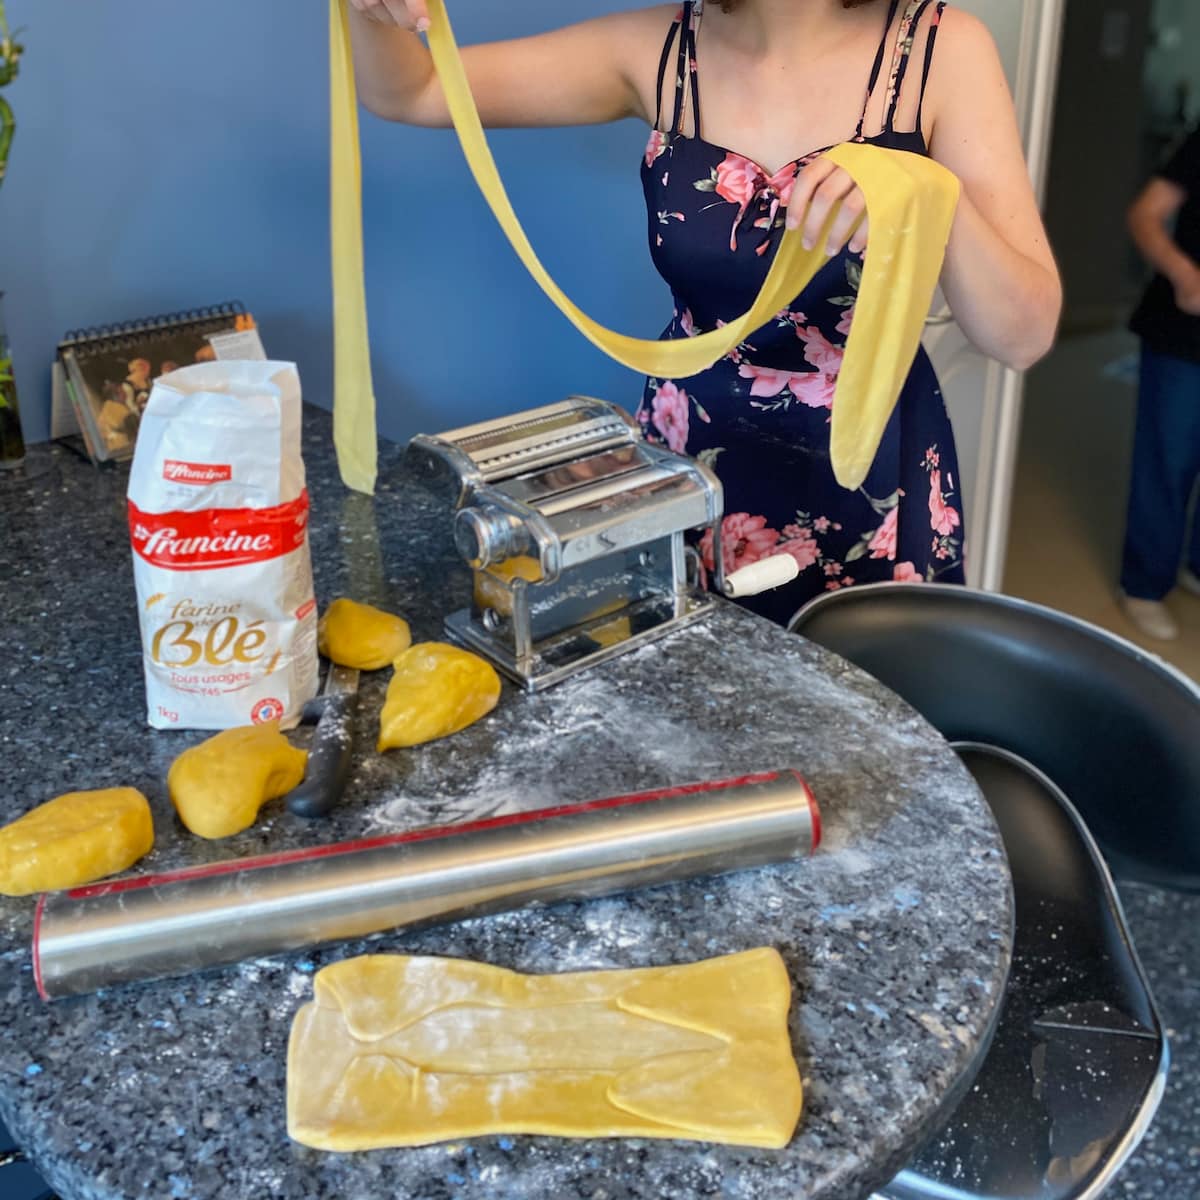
1165	222
732	89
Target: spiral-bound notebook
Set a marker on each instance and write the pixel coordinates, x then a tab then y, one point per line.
105	374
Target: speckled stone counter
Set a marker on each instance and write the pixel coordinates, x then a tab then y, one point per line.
897	934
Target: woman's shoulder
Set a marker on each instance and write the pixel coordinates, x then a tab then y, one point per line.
963	34
965	60
634	40
655	18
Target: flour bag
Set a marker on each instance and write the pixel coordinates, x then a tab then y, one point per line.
218	518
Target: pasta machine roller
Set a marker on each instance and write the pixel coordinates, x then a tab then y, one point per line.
575	528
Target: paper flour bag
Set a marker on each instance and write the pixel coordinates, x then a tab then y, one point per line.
218	517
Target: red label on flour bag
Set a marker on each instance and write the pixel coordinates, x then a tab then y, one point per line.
197	473
218	521
218	537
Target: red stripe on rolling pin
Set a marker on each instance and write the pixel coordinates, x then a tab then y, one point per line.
37	956
422	835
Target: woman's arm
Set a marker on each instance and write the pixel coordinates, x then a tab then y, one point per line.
1150	218
1000	278
584	74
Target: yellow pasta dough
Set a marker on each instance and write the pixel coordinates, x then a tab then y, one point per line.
911	201
489	593
354	433
218	786
361	636
400	1051
74	839
437	690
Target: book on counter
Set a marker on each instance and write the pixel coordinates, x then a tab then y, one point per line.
101	379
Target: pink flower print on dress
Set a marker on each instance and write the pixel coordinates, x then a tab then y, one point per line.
782	183
739	180
843	326
671	415
820	351
742	182
687	323
815	390
744	540
905	572
801	545
769	382
883	544
656	146
943	517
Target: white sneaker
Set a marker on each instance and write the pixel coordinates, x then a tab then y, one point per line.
1189	581
1151	617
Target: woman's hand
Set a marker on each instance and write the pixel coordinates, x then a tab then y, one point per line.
407	14
820	188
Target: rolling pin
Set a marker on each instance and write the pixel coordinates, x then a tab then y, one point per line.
157	926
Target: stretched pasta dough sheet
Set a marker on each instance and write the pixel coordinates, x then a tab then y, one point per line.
402	1051
911	202
354	435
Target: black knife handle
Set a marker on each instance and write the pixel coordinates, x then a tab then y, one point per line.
328	758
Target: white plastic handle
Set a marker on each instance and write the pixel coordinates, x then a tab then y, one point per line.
761	576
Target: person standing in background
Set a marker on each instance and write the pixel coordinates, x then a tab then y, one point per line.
1165	222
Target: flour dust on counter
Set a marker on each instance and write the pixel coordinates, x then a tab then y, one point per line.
582	711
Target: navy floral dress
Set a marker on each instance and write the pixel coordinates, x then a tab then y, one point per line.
760	417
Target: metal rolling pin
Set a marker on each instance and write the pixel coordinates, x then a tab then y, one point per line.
155	926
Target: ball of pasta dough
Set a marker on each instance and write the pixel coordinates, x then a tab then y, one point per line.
219	786
74	839
361	636
437	690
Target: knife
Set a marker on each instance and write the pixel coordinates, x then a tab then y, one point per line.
332	745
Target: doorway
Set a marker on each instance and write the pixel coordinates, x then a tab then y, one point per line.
1129	88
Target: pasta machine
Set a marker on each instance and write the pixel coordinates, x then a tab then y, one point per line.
576	529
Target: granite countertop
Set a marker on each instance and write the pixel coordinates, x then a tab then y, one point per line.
897	934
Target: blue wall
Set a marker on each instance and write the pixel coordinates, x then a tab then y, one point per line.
171	155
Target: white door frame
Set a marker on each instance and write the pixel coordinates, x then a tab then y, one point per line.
1034	93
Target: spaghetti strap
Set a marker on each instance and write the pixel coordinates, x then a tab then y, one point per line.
694	73
893	8
934	23
904	46
686	70
663	63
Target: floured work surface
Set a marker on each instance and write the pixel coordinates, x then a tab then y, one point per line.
404	1051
